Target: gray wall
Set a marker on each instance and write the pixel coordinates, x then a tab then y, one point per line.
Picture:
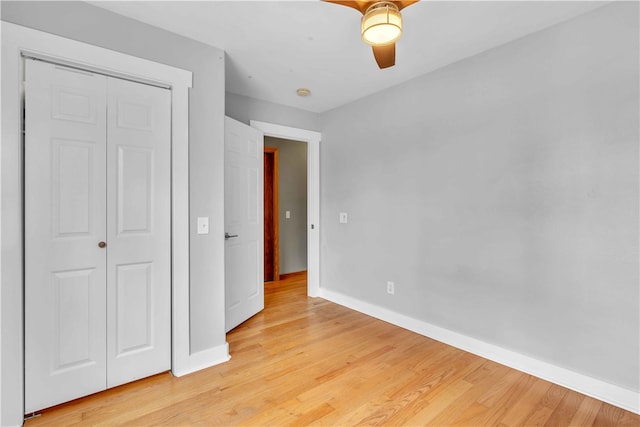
292	196
245	109
83	22
501	195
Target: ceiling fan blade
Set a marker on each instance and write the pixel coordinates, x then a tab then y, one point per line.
385	55
362	5
404	3
359	5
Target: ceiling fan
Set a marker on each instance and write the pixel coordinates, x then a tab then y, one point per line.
381	26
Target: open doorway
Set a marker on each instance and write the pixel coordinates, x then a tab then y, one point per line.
312	140
285	208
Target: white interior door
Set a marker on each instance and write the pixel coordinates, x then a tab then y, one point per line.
97	233
243	213
65	217
138	231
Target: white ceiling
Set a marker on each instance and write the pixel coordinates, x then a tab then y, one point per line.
275	47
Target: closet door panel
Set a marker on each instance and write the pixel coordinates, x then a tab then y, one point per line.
65	217
138	228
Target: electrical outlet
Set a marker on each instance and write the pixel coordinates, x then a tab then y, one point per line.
391	288
344	218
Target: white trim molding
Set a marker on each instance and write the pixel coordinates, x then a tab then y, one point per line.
203	359
593	387
18	42
312	139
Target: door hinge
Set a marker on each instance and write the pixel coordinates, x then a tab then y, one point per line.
31	415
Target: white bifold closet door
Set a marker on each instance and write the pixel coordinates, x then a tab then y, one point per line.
97	233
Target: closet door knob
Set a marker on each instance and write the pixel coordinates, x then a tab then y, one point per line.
102	244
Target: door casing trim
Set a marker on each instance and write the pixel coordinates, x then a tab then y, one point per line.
312	139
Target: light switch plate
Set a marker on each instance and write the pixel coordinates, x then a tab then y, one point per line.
287	214
343	218
203	225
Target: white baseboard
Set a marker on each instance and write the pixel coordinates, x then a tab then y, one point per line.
601	390
204	359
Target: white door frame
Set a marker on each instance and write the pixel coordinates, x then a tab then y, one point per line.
312	139
18	42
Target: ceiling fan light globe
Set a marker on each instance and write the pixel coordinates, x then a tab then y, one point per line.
381	24
381	35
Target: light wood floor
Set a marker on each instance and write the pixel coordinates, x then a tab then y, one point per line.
307	361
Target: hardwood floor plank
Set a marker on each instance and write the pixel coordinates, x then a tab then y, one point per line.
566	410
417	394
437	404
586	413
547	405
511	399
608	416
454	414
305	361
520	411
403	402
494	402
